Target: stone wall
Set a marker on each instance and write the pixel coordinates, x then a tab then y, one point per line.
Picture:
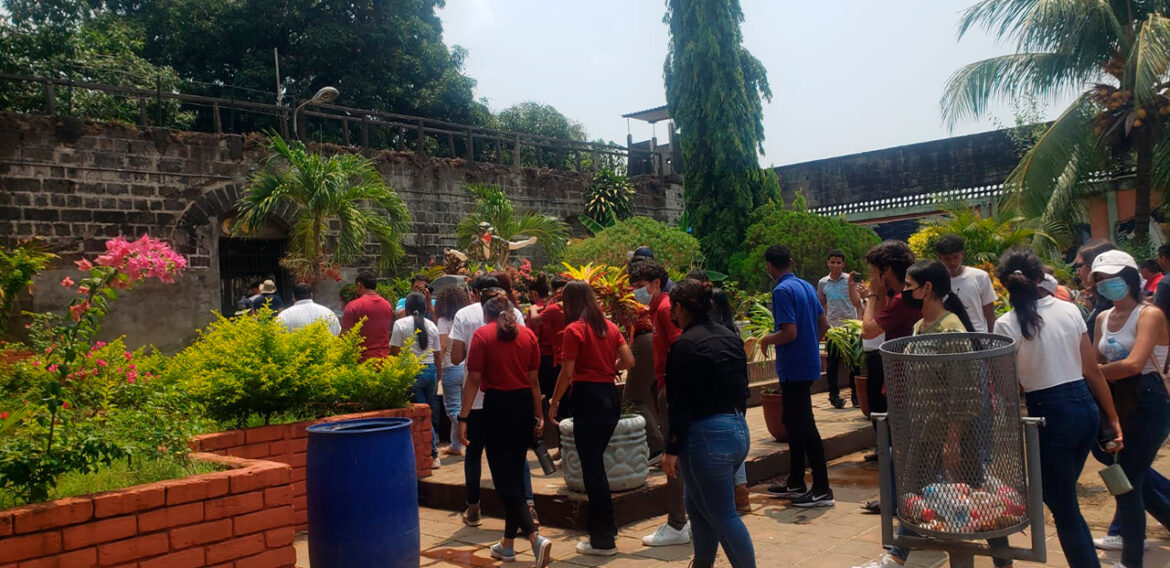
952	163
77	183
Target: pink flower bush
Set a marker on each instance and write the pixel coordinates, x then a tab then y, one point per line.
143	258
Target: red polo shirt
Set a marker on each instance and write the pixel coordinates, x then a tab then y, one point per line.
504	364
596	357
375	331
552	330
665	334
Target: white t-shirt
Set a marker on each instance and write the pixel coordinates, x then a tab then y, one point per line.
404	329
468	319
444	326
1053	356
974	289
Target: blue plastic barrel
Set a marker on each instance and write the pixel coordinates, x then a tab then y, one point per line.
362	494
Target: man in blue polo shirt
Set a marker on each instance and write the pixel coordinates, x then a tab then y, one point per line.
799	323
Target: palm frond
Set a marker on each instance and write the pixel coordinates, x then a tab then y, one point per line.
1149	59
1089	29
1034	179
551	233
970	91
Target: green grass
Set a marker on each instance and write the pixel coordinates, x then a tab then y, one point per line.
118	475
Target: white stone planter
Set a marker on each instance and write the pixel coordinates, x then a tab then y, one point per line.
626	458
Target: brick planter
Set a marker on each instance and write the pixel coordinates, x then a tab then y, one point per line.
241	516
287	443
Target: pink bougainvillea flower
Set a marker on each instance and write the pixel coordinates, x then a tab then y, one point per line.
65	405
100	344
127	355
78	309
3	416
36	363
102	362
83	289
67	282
52	368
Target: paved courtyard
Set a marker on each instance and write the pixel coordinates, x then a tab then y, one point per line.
826	538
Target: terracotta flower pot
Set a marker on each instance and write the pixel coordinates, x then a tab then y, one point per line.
773	405
860	384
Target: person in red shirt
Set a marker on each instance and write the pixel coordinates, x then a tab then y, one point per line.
1152	273
649	281
502	361
375	314
547	317
593	353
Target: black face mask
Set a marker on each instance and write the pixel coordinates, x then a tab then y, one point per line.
909	299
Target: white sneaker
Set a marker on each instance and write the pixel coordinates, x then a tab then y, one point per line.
1119	565
586	547
435	463
886	561
667	535
1113	542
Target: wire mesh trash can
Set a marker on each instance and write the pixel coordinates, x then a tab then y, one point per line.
958	462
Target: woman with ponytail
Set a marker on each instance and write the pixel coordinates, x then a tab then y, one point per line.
591	356
928	288
425	337
1057	369
503	361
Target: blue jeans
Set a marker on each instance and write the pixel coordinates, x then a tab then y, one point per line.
1144	430
453	400
426	390
715	447
1071	422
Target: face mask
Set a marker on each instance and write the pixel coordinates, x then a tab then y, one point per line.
642	295
909	299
1114	288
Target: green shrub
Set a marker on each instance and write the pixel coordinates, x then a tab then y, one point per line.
673	247
809	236
251	365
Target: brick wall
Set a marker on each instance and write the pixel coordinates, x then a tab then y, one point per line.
241	517
952	163
287	444
77	183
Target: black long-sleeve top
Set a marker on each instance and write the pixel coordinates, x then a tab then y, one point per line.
706	373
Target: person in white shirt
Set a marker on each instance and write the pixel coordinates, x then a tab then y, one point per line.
1058	372
425	345
305	311
467	320
973	286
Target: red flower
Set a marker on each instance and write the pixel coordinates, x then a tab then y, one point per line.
3	415
65	405
67	282
78	309
83	264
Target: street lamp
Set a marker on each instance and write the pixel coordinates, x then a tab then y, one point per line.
323	95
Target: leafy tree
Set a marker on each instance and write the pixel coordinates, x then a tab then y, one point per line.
339	202
1114	56
493	207
713	91
543	120
673	247
986	237
809	236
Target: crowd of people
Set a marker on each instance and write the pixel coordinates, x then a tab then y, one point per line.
1092	363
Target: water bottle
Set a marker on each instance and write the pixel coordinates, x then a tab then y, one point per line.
546	461
1114	351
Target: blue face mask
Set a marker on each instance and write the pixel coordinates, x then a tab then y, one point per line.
1113	289
642	295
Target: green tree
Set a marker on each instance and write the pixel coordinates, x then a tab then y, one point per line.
1114	57
493	208
542	120
714	88
673	247
339	202
810	238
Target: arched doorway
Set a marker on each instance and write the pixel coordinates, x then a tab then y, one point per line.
255	258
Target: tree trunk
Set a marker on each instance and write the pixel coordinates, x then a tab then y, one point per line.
1141	209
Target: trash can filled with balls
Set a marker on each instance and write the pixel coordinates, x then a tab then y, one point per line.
959	464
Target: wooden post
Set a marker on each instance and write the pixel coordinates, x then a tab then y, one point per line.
365	132
401	138
215	118
283	123
50	98
143	114
578	153
345	131
596	159
499	151
539	156
451	144
422	138
470	146
158	109
516	154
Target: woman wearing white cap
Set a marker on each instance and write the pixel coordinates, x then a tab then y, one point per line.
1132	342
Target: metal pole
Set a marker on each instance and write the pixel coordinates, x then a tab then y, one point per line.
276	63
1035	485
885	476
962	560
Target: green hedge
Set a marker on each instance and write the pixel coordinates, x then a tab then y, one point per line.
672	247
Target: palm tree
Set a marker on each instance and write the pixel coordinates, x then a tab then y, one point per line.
986	236
1113	55
338	202
492	208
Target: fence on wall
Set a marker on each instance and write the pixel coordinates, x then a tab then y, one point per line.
354	127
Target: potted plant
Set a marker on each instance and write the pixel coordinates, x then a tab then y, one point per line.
846	338
773	404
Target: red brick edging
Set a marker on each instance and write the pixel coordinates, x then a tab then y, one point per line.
286	443
241	517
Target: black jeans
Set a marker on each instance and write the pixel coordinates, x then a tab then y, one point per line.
596	409
877	379
473	455
803	437
834	365
548	383
512	420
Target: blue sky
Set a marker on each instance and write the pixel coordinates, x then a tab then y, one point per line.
846	75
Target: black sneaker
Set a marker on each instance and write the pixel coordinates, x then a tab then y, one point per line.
871	457
786	491
873	507
815	499
837	402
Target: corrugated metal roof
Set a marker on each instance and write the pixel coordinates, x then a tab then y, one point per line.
650	115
